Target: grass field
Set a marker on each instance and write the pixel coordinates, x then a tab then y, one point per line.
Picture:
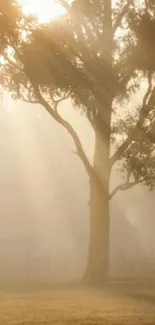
81	307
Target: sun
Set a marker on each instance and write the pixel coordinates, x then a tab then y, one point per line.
44	9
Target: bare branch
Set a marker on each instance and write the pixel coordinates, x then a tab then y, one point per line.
58	101
124	187
28	100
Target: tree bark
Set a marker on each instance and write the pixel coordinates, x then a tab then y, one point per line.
98	256
98	259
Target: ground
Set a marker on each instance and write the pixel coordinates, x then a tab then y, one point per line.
78	306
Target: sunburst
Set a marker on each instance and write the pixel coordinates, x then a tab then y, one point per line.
46	10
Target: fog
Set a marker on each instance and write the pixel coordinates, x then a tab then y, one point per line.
44	195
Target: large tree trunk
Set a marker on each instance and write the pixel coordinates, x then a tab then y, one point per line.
98	256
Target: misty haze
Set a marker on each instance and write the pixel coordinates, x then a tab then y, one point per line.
77	162
44	228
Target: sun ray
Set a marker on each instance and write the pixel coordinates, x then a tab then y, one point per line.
44	9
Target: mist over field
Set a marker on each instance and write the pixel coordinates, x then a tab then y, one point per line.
44	199
77	162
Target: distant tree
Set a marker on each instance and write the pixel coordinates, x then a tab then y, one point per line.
97	54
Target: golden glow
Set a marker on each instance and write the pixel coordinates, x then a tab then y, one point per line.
44	9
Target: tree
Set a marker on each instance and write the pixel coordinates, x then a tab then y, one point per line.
83	56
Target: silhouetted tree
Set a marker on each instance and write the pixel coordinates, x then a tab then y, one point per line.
97	54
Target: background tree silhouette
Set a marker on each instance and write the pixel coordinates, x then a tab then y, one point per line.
97	54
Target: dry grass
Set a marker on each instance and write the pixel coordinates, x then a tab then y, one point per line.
68	307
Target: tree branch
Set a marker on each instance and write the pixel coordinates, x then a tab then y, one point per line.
124	186
144	111
30	101
58	101
54	113
80	151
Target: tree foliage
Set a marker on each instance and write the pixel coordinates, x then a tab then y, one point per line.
98	58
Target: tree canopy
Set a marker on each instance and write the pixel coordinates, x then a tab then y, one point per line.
83	56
